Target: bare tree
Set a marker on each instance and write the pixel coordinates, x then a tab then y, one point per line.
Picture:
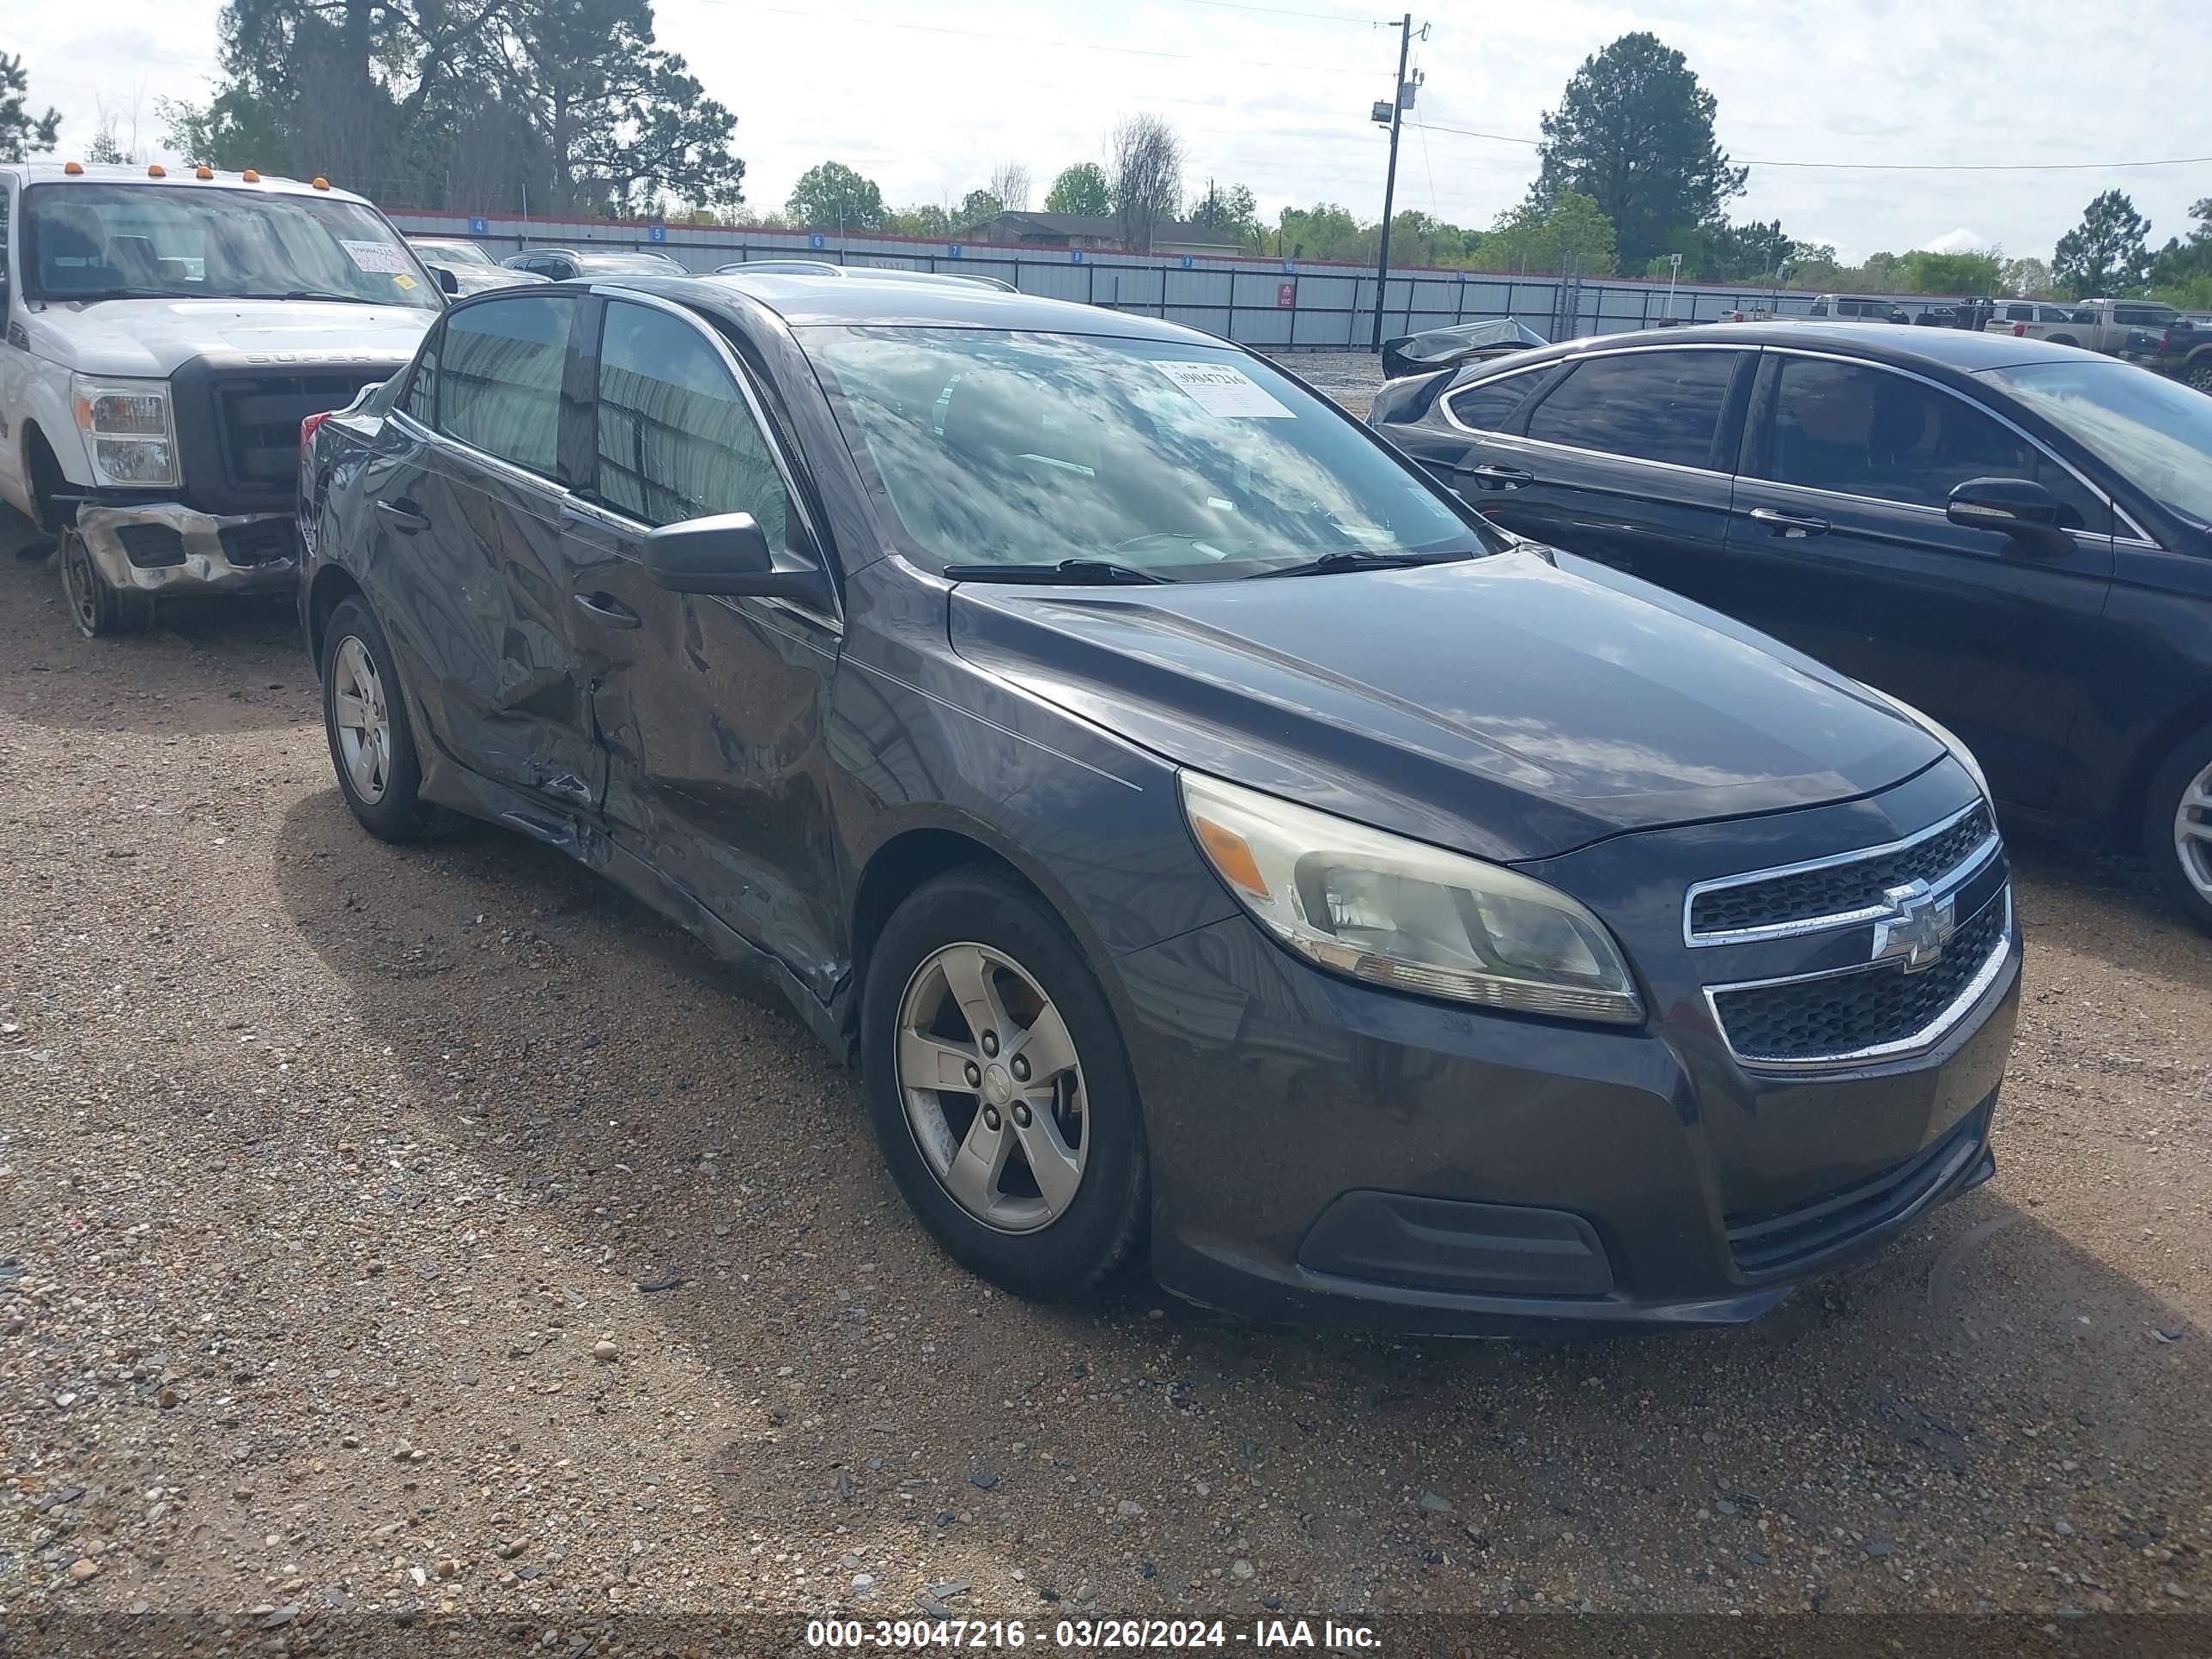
1144	168
1010	183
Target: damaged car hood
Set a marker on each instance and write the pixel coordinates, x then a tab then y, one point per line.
153	337
1513	706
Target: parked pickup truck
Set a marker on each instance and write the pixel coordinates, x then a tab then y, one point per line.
2116	327
2182	352
166	334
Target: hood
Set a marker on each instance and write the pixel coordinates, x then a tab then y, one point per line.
153	337
1502	705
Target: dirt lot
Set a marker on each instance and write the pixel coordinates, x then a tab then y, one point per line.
437	1228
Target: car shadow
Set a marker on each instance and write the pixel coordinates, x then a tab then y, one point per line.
2108	906
678	1151
207	666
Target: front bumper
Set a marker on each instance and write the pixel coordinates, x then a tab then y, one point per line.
166	547
1328	1152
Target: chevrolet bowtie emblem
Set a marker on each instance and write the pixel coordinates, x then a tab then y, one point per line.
1917	928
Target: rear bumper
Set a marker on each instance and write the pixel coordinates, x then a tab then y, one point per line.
167	547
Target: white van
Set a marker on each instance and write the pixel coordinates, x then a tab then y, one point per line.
167	331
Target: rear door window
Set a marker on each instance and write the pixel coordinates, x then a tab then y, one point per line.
1859	430
1647	405
499	378
677	439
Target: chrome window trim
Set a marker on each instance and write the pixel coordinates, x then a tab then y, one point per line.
2119	516
738	373
1903	1047
1451	415
515	470
1584	449
1982	852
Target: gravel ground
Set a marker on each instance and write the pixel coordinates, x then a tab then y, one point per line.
437	1228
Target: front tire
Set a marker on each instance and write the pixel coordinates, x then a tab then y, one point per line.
372	742
2200	373
1000	1088
2178	827
100	612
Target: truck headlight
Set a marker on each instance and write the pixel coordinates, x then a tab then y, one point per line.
1378	907
128	430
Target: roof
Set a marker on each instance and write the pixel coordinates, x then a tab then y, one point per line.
180	177
806	301
1104	225
1966	351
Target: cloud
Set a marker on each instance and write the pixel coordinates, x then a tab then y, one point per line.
1961	240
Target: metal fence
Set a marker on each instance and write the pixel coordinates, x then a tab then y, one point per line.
1275	305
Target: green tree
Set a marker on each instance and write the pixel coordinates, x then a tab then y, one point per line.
1080	189
927	220
22	133
2108	253
1324	230
1970	272
829	193
1232	209
1634	133
2025	278
977	207
1565	232
2185	260
1420	238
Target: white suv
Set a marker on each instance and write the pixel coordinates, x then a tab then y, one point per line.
166	334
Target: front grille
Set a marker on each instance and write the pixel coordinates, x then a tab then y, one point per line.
259	541
1837	1017
258	423
1791	1240
1835	890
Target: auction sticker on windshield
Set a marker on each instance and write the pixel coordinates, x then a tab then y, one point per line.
378	257
1223	389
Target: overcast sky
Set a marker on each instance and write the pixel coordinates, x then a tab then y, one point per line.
926	98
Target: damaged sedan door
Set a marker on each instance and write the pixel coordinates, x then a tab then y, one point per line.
709	707
468	555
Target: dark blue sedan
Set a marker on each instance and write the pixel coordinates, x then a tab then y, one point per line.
1212	838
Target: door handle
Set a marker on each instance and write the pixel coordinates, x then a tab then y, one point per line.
1489	477
1787	524
608	610
404	519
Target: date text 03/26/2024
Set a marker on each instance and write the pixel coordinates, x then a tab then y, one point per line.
1088	1634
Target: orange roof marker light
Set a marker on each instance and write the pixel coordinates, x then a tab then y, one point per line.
202	173
72	168
157	170
251	176
321	182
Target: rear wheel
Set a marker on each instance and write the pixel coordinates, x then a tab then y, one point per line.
2178	827
2200	372
1000	1088
99	612
372	742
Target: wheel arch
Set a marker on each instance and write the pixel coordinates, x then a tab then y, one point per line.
43	473
2152	753
331	587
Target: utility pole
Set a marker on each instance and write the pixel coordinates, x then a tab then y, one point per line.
1390	178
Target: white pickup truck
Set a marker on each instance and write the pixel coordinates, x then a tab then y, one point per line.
2115	327
166	330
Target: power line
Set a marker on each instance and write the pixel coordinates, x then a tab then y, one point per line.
1285	11
1879	166
1334	70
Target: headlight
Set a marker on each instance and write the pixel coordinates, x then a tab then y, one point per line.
127	428
1402	914
1942	734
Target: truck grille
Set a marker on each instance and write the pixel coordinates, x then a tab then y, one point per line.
1864	1012
1834	891
258	423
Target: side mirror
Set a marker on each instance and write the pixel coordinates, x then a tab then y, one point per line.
446	280
728	554
2021	508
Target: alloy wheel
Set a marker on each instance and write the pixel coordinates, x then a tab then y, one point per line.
2201	377
992	1087
362	720
2192	832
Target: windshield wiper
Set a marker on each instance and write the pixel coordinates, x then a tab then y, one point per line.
1100	572
1352	559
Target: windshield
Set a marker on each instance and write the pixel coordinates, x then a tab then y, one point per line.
458	253
140	241
1184	460
2155	433
638	264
